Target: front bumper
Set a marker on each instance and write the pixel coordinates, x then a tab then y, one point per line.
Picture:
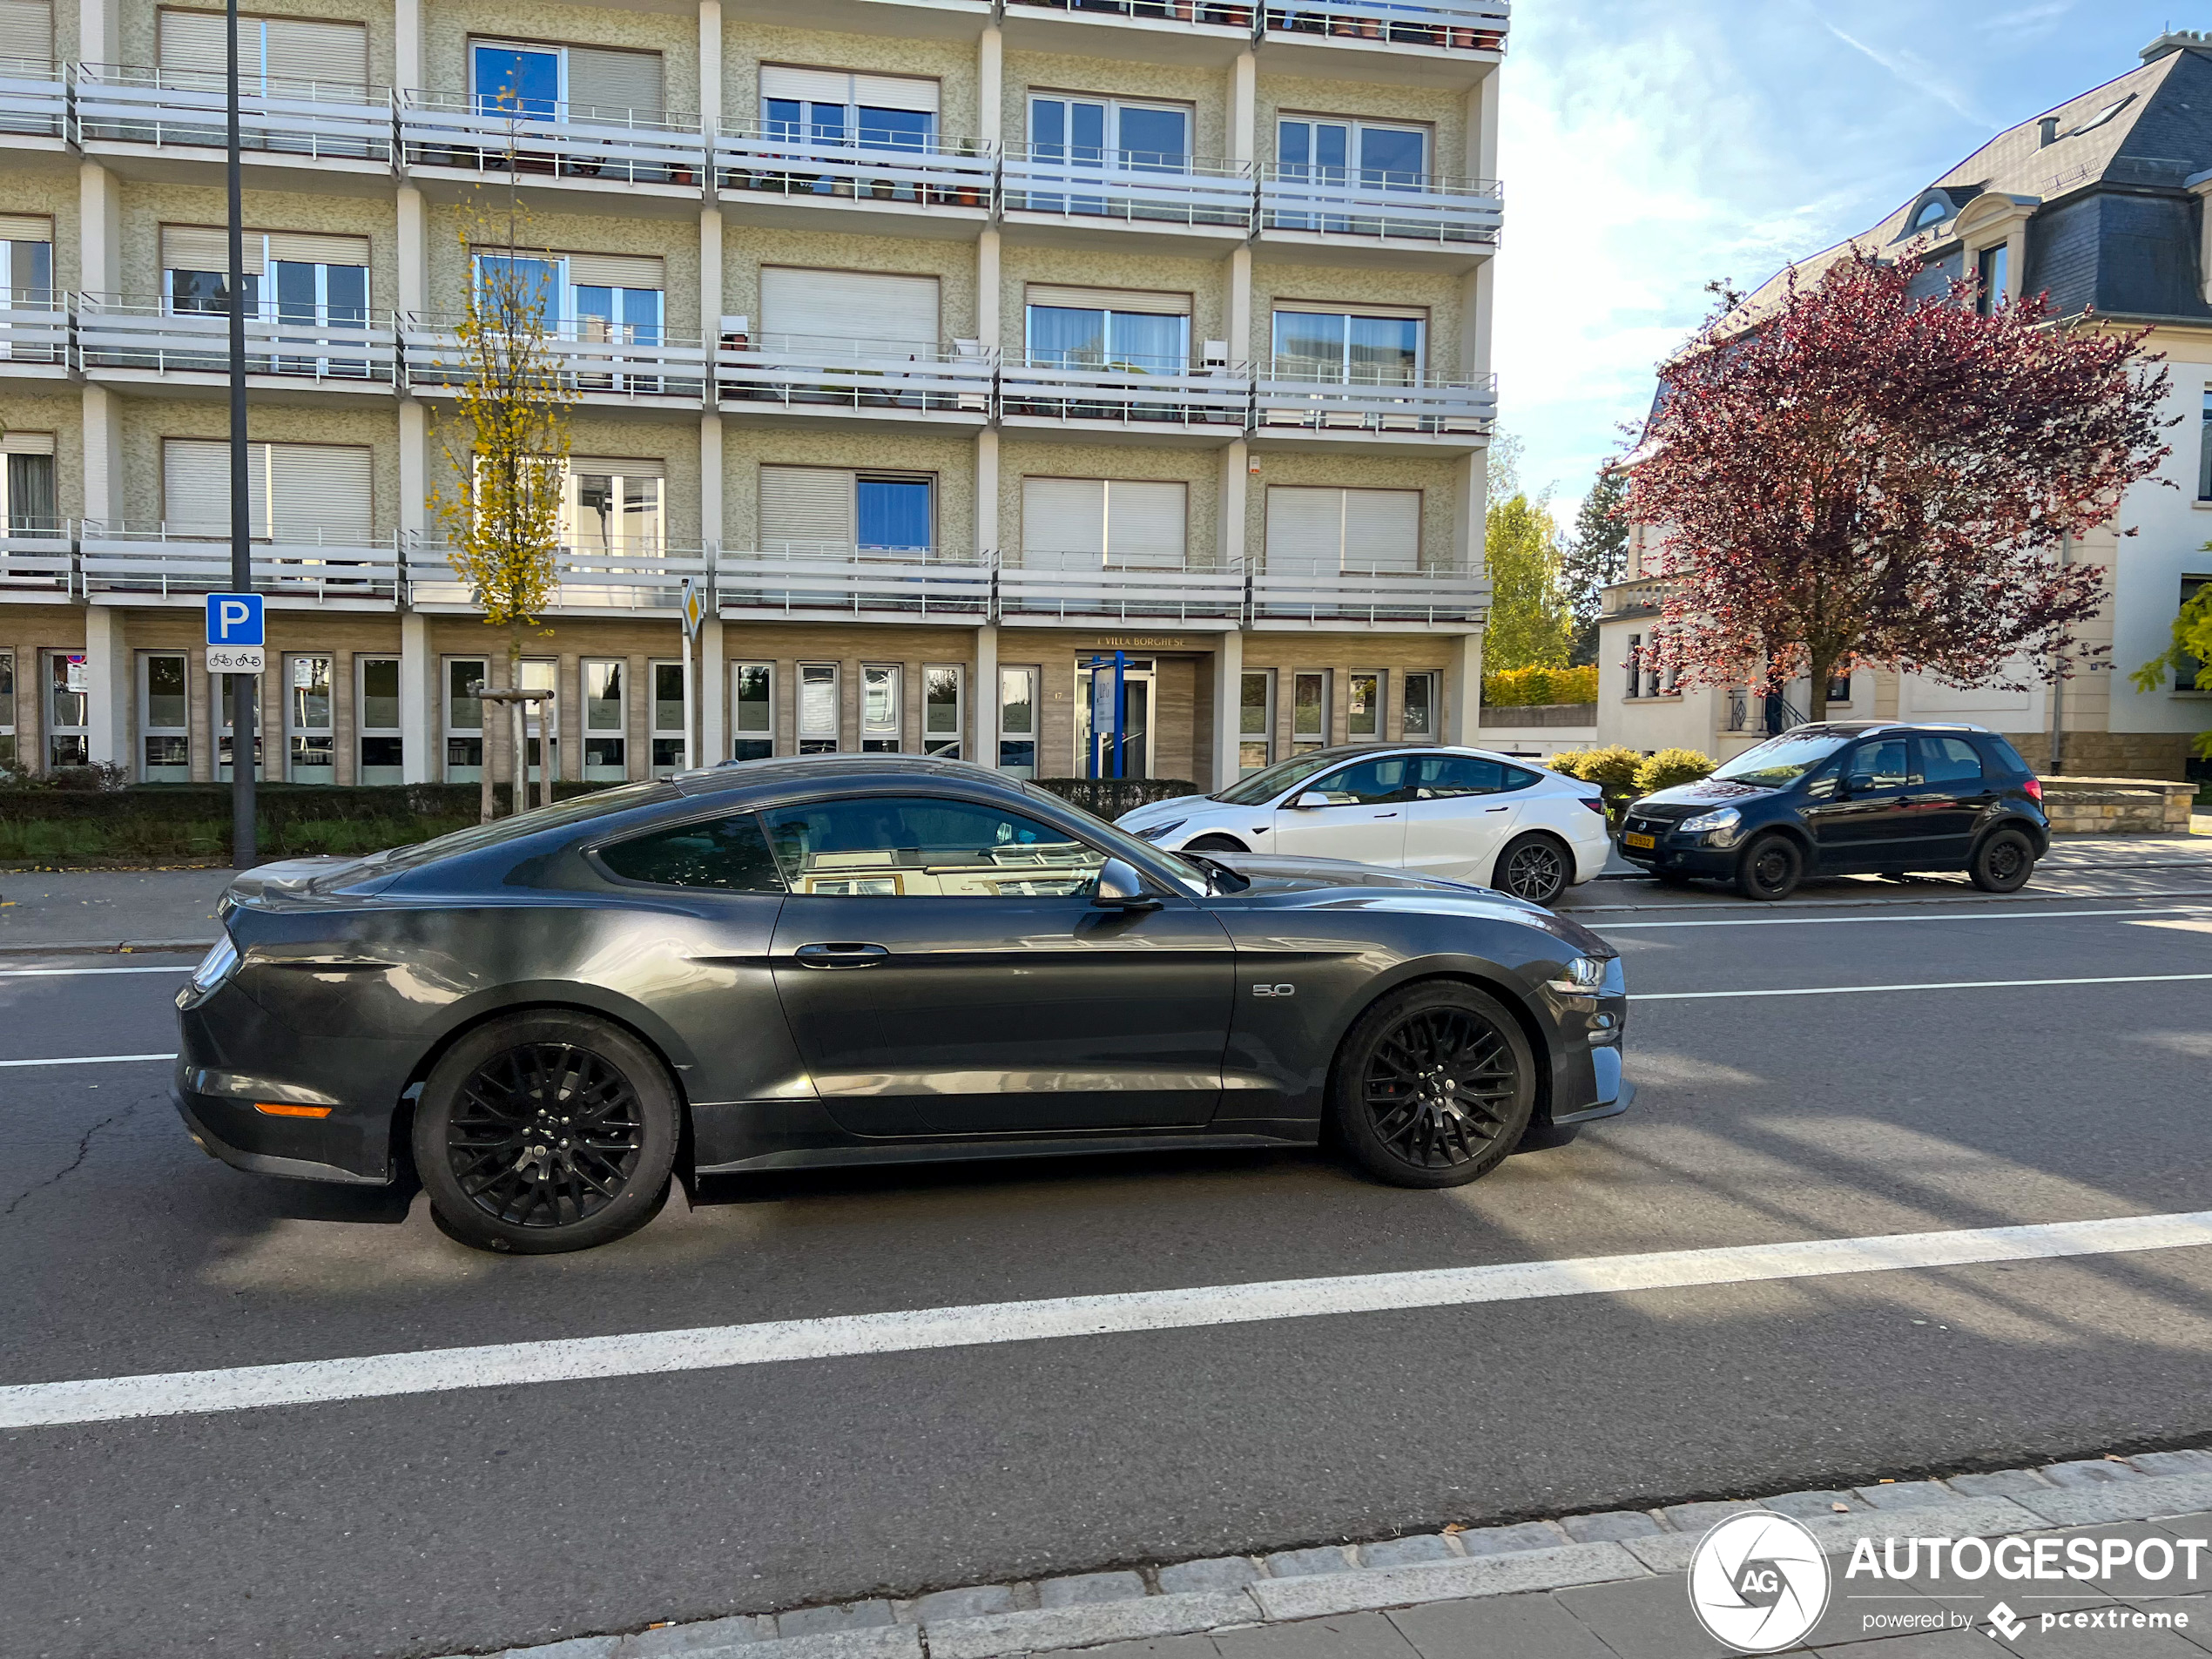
1683	853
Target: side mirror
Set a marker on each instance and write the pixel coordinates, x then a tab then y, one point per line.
1120	888
1858	782
1307	801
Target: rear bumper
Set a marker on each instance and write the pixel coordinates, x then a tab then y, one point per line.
264	1158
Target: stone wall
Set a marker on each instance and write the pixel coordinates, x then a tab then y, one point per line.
2117	805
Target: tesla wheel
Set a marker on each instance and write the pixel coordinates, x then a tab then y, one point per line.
1770	868
1434	1085
2003	862
1216	844
1534	867
545	1132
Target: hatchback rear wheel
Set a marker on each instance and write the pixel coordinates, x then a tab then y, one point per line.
1434	1086
2003	862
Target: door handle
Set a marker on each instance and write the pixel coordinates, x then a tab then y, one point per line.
1497	809
841	955
1386	814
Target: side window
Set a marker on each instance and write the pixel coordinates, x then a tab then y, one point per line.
1440	777
917	847
1369	783
1512	778
1948	760
1883	760
1821	784
729	853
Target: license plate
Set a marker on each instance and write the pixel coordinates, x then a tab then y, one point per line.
1634	840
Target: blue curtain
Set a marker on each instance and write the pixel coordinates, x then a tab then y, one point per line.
894	513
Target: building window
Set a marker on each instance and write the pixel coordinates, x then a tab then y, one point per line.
836	107
220	692
1102	131
1018	721
1349	347
752	710
381	755
1932	211
2204	449
27	480
1838	688
818	708
311	741
1420	706
812	511
464	727
26	262
1342	150
1135	333
1363	701
541	748
1635	664
1992	266
1315	532
164	739
1254	721
68	709
1309	709
7	708
613	508
606	720
2186	671
1071	523
880	708
531	81
668	717
942	710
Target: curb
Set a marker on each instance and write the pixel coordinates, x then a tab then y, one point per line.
105	947
1232	1591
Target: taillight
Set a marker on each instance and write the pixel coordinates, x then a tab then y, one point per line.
2035	790
1596	803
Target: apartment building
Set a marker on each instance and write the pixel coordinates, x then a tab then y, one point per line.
2102	204
952	346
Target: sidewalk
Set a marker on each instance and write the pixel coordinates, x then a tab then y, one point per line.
108	909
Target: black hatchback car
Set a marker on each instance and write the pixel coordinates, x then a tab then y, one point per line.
1849	797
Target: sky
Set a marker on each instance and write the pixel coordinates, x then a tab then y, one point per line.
1647	148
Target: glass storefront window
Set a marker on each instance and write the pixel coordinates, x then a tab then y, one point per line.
752	710
606	722
379	757
1256	722
668	717
818	708
464	719
880	708
940	710
1309	709
164	741
1362	706
1018	721
1420	705
312	740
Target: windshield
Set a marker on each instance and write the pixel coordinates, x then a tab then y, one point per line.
1265	786
1779	762
1197	879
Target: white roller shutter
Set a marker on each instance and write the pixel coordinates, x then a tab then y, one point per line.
206	247
1351	308
807	85
1382	529
615	84
193	43
805	510
320	492
333	55
614	270
1128	299
26	228
308	247
1064	518
26	443
1305	527
627	466
894	92
27	30
849	304
1145	523
196	486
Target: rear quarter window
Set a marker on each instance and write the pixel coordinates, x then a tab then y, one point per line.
2000	755
728	854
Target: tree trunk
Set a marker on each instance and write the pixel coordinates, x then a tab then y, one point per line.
1817	693
518	800
484	804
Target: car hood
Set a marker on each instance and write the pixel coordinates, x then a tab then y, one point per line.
1684	798
1162	811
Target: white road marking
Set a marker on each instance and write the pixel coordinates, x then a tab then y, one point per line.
1937	985
50	973
91	1059
714	1347
1991	915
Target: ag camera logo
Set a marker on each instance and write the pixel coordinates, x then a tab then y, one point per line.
1758	1583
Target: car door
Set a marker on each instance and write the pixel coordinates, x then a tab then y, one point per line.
1462	811
1364	820
1944	800
945	972
1862	818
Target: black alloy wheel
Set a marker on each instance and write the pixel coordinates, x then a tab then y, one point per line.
1534	867
1770	868
1434	1086
549	1131
2003	862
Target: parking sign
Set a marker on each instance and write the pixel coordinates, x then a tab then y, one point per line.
235	641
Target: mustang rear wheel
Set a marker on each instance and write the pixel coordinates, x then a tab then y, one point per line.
1434	1085
546	1132
1534	867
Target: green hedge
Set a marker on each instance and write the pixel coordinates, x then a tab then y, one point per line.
1108	798
1522	688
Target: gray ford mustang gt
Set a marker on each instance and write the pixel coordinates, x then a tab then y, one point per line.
840	960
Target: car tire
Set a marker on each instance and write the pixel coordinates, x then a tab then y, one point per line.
1534	866
1770	869
1432	1086
2003	862
1215	844
498	1148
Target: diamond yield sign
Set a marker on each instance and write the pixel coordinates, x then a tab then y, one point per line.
694	603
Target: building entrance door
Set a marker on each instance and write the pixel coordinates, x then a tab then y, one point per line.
1114	737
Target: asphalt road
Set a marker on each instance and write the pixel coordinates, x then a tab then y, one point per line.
437	1522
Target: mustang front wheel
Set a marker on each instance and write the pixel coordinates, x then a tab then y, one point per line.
546	1132
1434	1085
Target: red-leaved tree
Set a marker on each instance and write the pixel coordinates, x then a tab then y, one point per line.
1866	478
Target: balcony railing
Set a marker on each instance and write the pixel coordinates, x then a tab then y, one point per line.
1078	587
34	98
1293	397
633	575
321	120
805	580
36	559
113	334
1309	591
591	356
553	140
1417	207
1638	595
803	372
1458	25
1213	14
1126	393
183	559
1126	186
938	172
34	327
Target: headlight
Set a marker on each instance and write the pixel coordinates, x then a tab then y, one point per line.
1727	818
216	968
1153	831
1592	976
1583	974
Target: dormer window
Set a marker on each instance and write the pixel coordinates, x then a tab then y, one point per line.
1934	212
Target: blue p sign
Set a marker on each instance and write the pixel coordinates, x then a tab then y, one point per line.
234	619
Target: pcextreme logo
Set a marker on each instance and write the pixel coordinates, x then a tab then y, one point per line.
1758	1583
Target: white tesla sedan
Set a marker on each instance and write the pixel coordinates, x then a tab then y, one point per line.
1465	813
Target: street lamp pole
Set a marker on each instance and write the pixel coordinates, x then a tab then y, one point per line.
243	746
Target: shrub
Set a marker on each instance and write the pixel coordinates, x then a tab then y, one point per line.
1670	766
1613	768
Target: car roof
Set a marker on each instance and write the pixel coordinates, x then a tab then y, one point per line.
785	773
1861	728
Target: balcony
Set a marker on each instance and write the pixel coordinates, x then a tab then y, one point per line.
1294	400
1196	193
833	582
182	562
843	379
1441	25
34	100
151	338
315	121
36	565
814	176
596	361
1327	204
1638	596
1209	32
635	576
1144	397
1081	588
1294	592
34	333
575	142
